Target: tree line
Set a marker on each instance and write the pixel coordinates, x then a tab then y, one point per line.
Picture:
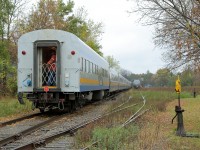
16	20
166	78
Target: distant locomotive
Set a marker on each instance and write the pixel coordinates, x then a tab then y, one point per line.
58	70
137	84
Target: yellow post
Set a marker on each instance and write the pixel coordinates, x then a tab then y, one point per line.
178	85
178	90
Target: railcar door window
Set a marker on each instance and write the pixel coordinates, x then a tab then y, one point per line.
49	66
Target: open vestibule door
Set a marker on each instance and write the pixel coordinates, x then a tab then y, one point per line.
47	64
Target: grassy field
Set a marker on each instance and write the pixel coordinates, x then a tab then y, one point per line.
10	107
191	124
152	131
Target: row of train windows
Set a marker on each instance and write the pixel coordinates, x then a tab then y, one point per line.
89	67
117	78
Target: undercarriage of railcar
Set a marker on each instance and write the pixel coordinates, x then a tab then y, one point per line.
59	100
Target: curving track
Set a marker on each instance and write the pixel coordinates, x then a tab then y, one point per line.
2	124
132	118
62	125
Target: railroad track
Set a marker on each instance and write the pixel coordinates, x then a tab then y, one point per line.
132	118
42	133
2	124
70	130
20	134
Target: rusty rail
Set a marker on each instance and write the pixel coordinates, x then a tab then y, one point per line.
44	141
28	131
19	119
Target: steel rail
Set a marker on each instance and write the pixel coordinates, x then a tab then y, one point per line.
48	139
136	116
131	119
35	143
2	124
43	141
95	143
130	97
29	130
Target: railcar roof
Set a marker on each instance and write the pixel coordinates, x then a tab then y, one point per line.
63	36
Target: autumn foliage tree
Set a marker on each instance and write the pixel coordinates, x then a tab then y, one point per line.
51	14
9	12
177	29
113	63
46	14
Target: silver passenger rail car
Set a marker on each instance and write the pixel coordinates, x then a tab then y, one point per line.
118	82
57	69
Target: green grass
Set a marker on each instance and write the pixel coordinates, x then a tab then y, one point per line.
191	124
156	130
11	106
113	138
144	133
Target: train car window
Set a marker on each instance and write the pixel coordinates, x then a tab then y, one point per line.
82	64
88	63
100	71
91	67
97	70
85	66
106	73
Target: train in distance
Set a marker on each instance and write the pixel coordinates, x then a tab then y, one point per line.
137	84
56	70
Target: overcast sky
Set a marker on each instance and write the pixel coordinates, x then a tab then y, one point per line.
126	40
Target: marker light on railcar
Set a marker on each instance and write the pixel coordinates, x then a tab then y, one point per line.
23	52
73	52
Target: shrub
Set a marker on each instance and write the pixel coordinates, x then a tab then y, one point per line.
113	138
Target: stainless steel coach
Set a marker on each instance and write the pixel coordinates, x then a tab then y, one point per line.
78	71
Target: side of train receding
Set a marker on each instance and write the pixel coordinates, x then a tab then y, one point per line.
80	74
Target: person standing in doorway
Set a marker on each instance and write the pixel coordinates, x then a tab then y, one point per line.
52	68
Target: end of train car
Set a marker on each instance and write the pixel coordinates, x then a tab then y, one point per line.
57	70
137	84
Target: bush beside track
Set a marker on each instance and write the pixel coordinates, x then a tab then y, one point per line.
10	108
